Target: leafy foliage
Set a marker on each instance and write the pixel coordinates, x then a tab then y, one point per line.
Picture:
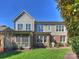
75	44
69	10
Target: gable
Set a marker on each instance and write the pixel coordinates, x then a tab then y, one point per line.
23	17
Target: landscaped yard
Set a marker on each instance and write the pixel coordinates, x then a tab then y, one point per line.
35	54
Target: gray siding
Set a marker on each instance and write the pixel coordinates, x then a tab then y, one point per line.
24	19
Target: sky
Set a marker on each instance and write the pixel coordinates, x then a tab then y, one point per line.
41	10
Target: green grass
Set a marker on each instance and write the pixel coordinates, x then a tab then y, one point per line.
35	54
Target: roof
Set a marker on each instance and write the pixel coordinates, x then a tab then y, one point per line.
44	33
46	23
21	14
37	22
5	28
22	32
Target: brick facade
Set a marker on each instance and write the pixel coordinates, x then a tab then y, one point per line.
1	49
57	38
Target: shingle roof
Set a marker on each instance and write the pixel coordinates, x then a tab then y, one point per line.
51	23
5	28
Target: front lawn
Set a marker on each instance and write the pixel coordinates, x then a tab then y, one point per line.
35	54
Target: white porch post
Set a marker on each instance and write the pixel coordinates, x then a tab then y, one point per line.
29	45
48	40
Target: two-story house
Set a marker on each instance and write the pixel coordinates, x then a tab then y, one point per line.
29	33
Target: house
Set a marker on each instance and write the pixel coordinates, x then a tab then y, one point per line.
28	33
5	37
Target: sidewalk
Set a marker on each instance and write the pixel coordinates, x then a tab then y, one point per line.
70	55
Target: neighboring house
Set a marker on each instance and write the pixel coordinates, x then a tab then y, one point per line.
29	33
5	37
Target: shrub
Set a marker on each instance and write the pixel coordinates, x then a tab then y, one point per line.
75	44
59	45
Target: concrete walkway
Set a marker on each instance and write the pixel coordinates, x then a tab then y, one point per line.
70	55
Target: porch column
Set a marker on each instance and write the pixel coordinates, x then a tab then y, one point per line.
30	40
48	40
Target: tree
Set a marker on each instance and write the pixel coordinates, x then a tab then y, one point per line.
69	10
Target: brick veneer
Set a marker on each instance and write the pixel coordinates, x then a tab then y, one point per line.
1	49
57	38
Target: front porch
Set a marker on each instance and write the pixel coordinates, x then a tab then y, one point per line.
22	40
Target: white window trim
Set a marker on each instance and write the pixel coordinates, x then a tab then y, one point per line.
58	29
63	37
21	28
40	41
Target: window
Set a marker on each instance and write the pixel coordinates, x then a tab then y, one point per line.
49	27
46	27
44	37
39	28
62	39
28	27
42	27
22	41
18	41
40	39
20	27
59	27
62	28
25	41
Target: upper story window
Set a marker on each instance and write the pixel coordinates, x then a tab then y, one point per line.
28	27
20	27
46	28
60	28
49	27
39	28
